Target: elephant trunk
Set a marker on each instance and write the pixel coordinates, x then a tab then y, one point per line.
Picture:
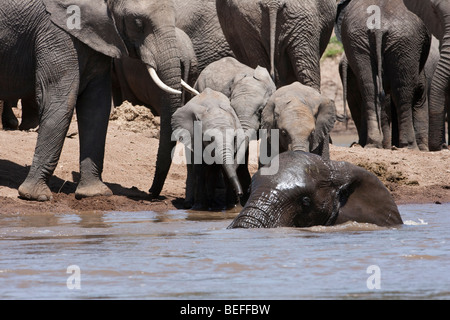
439	88
228	164
266	208
250	218
162	53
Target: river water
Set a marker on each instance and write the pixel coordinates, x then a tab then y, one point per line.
191	255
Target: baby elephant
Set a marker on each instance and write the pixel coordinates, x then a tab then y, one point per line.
303	117
211	132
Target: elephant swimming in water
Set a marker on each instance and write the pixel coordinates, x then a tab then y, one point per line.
308	190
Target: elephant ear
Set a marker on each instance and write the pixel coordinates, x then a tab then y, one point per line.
325	119
261	74
183	119
91	22
362	197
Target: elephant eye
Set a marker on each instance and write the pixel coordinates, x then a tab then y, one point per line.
305	201
284	132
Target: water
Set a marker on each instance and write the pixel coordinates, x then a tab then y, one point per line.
189	255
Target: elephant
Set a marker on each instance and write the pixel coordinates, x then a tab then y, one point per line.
132	82
304	118
208	123
61	52
436	16
199	20
386	59
308	191
389	127
285	36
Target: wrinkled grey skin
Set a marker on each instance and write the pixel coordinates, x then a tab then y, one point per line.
198	18
248	90
287	37
436	16
213	109
390	129
388	61
64	67
304	118
308	191
132	82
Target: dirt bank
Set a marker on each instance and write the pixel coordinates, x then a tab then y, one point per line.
412	176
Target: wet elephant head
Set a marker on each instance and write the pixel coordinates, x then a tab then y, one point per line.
303	117
308	191
209	118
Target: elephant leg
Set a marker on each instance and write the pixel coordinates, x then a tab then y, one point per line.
365	70
93	110
189	194
386	121
354	100
245	179
56	109
402	101
30	113
420	114
8	117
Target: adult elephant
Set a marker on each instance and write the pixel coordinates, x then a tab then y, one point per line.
209	128
308	191
387	58
303	117
436	16
60	52
199	20
287	37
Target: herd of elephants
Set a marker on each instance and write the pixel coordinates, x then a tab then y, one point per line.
231	65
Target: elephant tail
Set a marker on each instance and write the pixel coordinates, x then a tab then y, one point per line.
379	58
274	6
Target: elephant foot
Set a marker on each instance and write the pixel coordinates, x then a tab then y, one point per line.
35	191
93	189
423	147
374	145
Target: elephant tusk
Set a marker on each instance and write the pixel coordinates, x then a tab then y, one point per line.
161	84
189	88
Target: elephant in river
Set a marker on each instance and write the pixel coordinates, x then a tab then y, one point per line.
287	37
436	16
214	142
308	190
303	117
60	52
387	58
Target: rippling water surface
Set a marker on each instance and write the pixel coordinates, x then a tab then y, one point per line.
191	255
